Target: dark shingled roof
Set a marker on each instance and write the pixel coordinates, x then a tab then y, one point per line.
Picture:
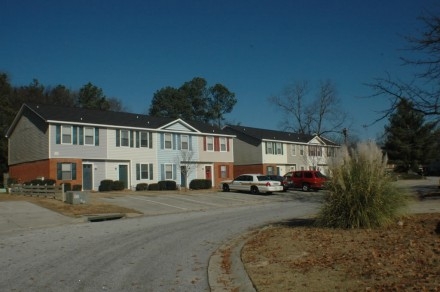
256	135
57	113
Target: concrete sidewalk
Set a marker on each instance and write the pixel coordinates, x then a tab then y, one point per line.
21	215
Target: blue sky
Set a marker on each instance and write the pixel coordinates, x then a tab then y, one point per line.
131	49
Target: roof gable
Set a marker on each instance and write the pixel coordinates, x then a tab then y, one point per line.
179	126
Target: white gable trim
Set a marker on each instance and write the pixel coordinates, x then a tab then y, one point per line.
169	126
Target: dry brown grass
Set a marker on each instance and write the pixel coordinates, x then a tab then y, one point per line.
299	257
95	206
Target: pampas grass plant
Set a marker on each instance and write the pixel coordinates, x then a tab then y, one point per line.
361	194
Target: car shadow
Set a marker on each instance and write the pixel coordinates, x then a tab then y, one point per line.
309	197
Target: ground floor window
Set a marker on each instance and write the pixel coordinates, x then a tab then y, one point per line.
66	171
144	171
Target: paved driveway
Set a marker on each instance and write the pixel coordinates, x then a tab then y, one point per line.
154	204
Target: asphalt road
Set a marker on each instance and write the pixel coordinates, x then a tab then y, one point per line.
165	252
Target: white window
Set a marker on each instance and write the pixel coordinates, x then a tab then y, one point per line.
223	171
125	138
144	139
89	136
144	171
223	146
279	148
210	143
269	148
269	170
293	150
301	150
168	139
184	142
315	150
66	171
66	134
331	152
168	171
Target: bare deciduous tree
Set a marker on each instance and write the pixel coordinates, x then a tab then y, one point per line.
302	114
186	163
424	89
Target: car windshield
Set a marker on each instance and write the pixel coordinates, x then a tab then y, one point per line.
263	177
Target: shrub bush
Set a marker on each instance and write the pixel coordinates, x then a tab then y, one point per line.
67	187
153	187
167	185
105	185
43	182
141	187
200	184
118	185
361	195
12	181
77	188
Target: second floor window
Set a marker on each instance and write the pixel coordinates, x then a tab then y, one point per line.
274	148
168	141
269	148
331	152
89	136
293	150
125	138
279	148
315	150
223	145
144	139
66	134
210	143
184	142
301	150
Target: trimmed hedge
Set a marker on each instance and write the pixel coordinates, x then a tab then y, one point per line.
200	184
67	187
167	185
49	182
153	187
141	187
106	185
118	185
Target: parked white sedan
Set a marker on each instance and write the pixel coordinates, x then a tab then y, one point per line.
254	183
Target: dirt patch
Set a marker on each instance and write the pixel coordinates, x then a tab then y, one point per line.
95	206
295	256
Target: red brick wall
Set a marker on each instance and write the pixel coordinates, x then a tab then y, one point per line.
217	173
25	172
253	168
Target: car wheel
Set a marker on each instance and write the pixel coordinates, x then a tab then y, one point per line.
305	187
225	187
254	190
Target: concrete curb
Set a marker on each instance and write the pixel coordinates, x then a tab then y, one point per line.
226	271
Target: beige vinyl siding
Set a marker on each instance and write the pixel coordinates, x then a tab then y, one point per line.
245	153
27	133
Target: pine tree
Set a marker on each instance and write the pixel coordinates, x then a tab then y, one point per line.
409	141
